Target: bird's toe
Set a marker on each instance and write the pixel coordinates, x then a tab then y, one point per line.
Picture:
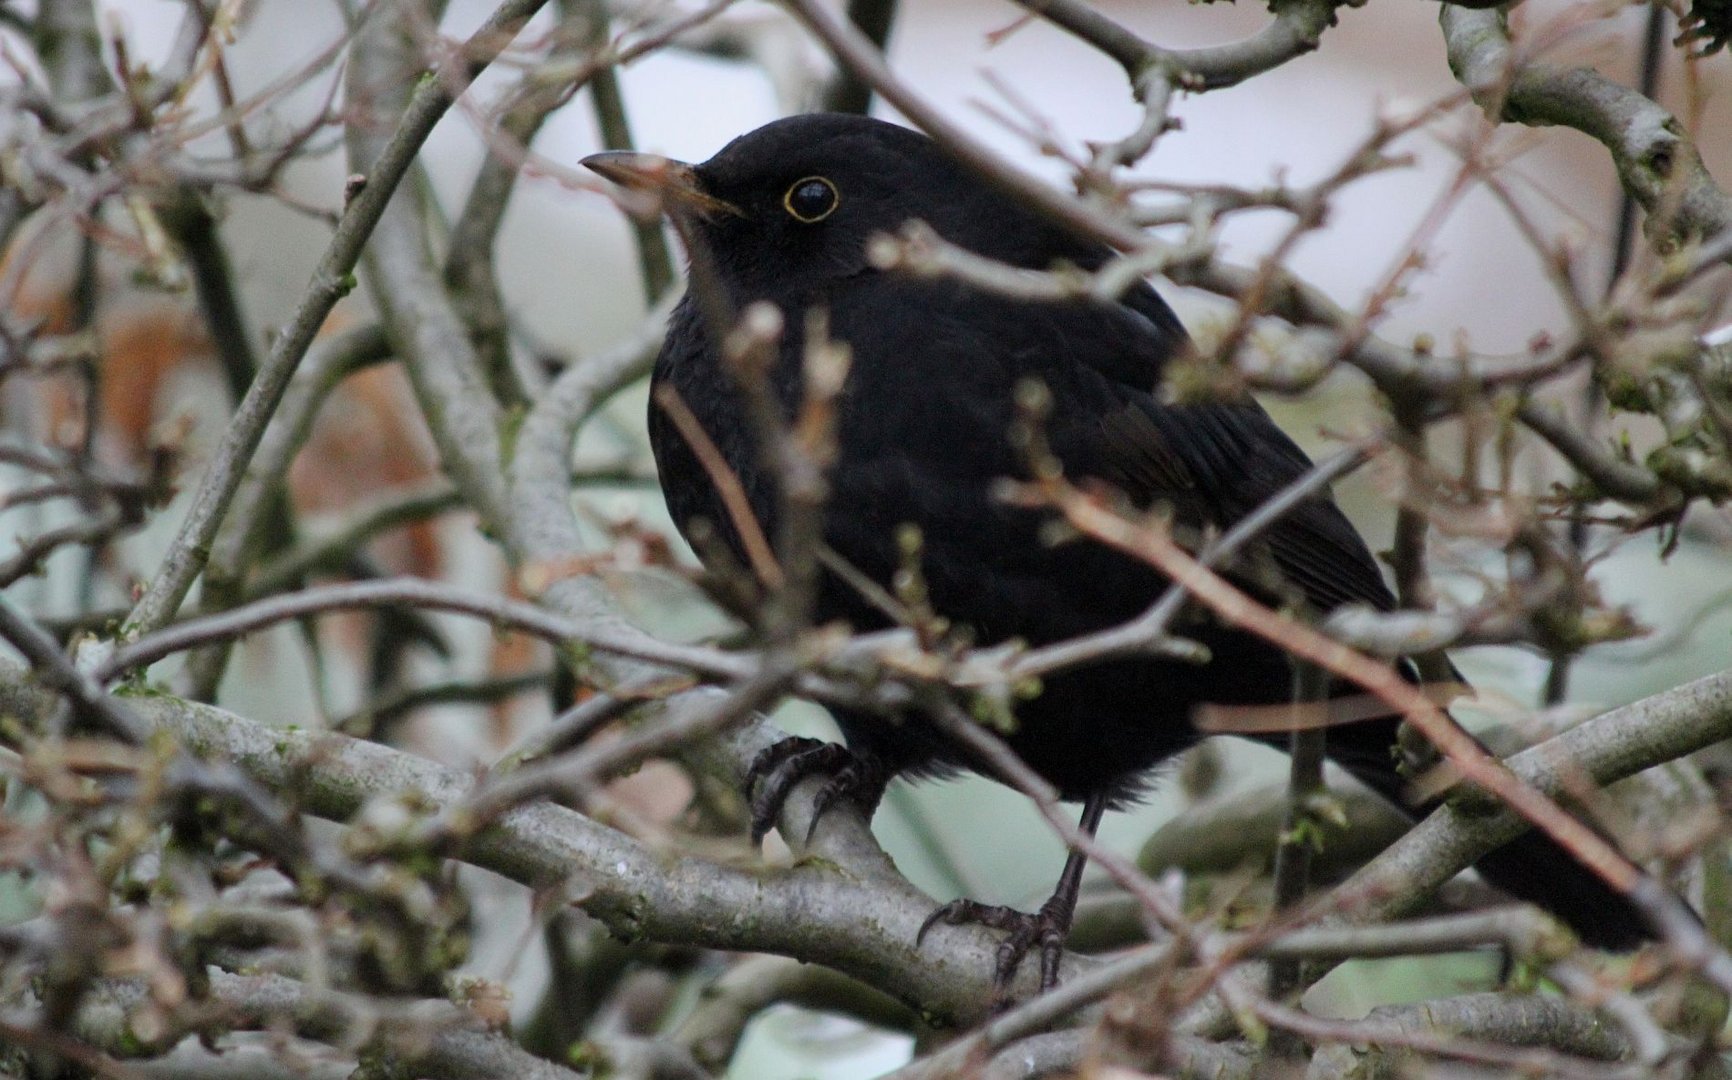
1046	928
777	770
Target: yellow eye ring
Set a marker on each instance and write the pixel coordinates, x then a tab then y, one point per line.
811	199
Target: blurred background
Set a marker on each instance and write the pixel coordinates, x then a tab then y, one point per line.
567	265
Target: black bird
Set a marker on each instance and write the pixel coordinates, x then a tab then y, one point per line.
784	215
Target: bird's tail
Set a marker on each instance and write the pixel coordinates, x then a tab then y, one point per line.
1532	867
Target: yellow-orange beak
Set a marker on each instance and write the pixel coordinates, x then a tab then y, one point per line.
674	183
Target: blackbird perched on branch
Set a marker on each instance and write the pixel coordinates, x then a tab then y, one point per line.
924	423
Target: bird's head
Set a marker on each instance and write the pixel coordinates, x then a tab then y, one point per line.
796	202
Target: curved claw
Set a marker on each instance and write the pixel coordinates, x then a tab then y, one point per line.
1048	927
860	780
777	770
775	755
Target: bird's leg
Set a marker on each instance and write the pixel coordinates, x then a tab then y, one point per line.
1047	927
854	777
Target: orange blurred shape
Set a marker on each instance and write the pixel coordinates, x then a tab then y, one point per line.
368	440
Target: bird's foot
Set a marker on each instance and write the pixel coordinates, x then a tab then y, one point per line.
1046	928
855	778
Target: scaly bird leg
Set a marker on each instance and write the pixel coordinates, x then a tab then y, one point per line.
1047	927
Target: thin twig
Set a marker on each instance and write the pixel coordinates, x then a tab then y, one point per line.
332	280
411	592
1237	609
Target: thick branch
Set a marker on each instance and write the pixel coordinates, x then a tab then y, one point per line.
1605	749
447	373
1658	164
850	910
435	1038
1294	31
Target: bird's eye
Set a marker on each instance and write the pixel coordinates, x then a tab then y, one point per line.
811	200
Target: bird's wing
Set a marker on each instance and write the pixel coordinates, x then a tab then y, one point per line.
950	376
1219	463
1214	462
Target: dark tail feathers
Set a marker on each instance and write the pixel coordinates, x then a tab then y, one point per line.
1531	867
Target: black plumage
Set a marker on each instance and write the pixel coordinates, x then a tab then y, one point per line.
784	215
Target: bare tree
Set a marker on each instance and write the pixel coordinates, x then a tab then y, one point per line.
193	890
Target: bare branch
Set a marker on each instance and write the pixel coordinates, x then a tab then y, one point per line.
860	920
331	281
1656	161
1294	31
